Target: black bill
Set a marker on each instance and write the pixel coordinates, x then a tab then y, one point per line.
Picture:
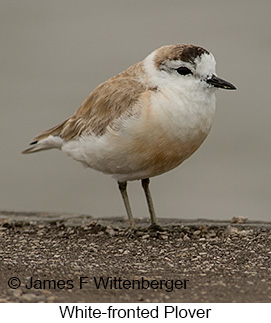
217	82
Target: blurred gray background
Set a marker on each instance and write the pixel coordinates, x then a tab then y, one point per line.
54	53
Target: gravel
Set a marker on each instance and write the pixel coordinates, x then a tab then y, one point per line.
222	261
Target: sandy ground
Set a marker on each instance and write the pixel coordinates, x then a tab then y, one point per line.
59	257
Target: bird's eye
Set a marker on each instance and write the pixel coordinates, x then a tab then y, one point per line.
184	70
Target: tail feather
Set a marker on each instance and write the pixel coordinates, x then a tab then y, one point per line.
44	144
47	140
33	149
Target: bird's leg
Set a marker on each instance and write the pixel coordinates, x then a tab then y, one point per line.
145	184
123	191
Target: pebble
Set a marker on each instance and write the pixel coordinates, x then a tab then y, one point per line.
197	232
239	219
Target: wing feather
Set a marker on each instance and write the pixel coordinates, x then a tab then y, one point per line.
108	102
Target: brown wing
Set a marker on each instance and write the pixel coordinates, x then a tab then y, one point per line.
104	105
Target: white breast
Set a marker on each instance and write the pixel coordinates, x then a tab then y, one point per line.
184	117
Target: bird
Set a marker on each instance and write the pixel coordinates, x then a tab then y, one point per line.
144	121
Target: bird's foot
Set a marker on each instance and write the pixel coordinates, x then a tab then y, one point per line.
155	227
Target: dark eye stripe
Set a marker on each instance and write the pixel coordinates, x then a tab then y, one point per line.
184	70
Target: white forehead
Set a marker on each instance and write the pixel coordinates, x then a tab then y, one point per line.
205	64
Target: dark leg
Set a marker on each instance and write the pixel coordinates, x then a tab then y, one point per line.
145	184
123	191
